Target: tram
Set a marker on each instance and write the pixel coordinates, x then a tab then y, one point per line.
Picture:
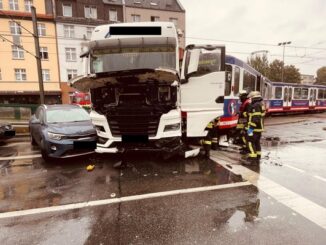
278	97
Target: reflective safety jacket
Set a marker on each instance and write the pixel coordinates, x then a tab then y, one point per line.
243	117
256	115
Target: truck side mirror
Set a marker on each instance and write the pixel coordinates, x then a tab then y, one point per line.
220	99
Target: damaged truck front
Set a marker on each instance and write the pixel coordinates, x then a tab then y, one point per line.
132	75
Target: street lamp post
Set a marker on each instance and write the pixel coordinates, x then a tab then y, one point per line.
283	44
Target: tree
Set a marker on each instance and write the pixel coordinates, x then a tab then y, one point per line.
321	75
291	73
260	63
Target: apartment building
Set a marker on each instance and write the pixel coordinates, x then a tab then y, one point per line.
75	21
157	10
18	71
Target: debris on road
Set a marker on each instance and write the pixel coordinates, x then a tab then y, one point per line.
90	167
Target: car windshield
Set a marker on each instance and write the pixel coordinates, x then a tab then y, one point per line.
67	115
108	60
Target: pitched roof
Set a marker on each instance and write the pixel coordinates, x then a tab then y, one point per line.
169	5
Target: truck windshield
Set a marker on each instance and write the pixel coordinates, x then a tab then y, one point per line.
118	59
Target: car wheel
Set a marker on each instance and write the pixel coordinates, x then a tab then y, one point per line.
44	154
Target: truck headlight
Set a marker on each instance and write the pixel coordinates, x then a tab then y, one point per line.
55	136
172	127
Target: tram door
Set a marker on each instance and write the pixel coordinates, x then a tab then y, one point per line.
312	97
287	99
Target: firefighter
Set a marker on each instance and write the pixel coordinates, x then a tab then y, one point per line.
242	121
207	141
254	127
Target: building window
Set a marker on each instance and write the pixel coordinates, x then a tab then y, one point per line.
155	18
71	54
1	5
28	5
44	53
13	5
15	28
20	74
89	31
71	73
90	12
46	74
41	29
67	10
17	53
135	18
113	15
69	31
174	21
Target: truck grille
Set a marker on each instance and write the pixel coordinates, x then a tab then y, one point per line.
133	125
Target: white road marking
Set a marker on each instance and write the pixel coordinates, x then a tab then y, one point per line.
294	168
320	178
308	209
20	157
119	200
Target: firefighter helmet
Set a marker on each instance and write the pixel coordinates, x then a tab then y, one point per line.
254	95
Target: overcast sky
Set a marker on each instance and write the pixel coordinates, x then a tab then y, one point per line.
267	22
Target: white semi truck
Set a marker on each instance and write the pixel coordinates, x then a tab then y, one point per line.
139	99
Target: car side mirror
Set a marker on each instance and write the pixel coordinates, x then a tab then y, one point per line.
35	121
220	99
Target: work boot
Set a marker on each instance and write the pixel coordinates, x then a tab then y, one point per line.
244	151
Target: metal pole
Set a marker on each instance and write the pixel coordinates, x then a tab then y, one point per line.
283	63
37	54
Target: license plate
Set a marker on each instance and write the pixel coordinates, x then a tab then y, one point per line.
9	133
90	145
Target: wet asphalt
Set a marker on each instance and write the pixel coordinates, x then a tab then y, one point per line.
293	156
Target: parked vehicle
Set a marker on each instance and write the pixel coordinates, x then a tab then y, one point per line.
6	131
62	131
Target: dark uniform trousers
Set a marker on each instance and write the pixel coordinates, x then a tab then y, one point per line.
256	113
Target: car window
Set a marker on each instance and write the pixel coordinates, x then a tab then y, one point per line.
66	115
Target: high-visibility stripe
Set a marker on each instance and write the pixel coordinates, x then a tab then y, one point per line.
244	140
214	140
207	142
251	149
258	130
255	113
240	126
252	124
258	153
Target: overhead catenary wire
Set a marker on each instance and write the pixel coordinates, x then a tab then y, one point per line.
19	46
251	43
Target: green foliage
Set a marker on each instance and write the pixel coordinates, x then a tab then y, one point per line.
274	70
321	75
260	63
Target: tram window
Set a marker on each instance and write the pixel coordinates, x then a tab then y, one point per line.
321	94
249	81
278	93
228	80
297	93
304	93
236	79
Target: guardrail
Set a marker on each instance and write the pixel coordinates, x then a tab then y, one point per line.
17	111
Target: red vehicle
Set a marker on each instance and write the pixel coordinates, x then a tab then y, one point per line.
82	99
